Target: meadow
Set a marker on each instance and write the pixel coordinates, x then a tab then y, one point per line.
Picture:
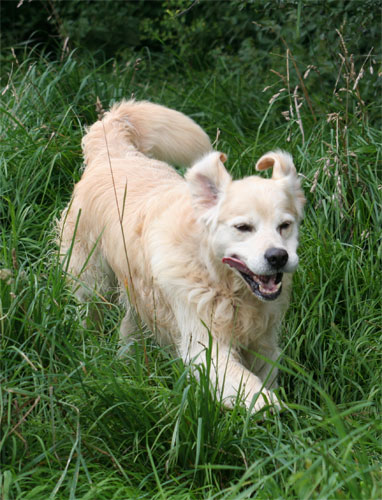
76	421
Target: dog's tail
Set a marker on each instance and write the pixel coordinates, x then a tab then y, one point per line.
156	131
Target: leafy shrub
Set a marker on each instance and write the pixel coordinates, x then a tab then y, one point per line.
194	30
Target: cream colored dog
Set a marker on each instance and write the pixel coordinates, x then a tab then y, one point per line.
205	261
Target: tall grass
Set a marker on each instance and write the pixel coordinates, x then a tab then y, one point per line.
77	422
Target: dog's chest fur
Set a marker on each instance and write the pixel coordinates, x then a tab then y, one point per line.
226	307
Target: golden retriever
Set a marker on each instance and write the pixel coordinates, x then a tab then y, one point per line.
204	260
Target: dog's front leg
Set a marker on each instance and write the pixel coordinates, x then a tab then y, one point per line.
232	378
227	373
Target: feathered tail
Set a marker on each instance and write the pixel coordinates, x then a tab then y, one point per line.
156	131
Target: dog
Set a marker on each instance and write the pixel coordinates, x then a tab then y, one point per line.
205	261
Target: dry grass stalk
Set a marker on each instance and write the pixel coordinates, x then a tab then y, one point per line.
297	106
99	109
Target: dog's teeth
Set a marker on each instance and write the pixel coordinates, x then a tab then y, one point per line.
272	290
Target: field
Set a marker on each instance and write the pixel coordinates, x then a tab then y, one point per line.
79	423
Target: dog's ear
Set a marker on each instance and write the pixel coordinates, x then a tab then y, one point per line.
208	179
281	162
284	169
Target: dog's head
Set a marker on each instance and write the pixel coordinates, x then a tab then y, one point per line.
252	223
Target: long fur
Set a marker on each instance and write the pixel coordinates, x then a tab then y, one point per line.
135	222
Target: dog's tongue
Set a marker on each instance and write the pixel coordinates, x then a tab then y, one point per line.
237	264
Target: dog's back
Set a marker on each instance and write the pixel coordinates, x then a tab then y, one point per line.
125	173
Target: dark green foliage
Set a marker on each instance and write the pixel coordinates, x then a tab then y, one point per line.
198	31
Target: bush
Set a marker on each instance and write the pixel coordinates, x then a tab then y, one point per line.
194	30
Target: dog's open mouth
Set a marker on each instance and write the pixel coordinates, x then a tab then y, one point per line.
266	287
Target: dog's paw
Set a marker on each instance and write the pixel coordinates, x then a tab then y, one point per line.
266	399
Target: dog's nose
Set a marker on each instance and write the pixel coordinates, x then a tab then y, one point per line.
277	257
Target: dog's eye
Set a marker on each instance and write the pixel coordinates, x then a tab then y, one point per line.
244	228
284	226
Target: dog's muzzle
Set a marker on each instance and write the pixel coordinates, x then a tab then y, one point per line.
264	286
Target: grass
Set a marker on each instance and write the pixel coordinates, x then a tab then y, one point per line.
79	423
